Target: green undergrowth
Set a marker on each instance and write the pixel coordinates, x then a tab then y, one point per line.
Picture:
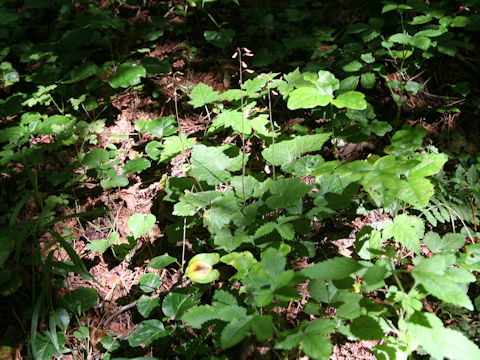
241	217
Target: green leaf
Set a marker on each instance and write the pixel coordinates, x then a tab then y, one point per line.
80	73
380	128
114	180
366	328
200	268
150	282
101	245
109	343
151	34
307	98
176	303
352	66
136	166
430	272
146	305
400	38
273	261
428	164
233	119
316	347
140	224
406	229
96	157
285	193
263	327
351	100
162	261
174	145
202	94
332	269
153	66
221	38
81	333
80	299
314	343
416	191
449	243
322	292
235	332
368	80
438	341
191	202
213	165
127	74
44	348
284	152
197	316
154	149
147	332
164	126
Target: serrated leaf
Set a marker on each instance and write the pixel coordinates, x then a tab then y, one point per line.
147	332
430	273
234	119
96	157
44	348
273	261
99	245
368	80
174	145
126	75
406	229
136	166
150	282
449	243
351	100
284	193
202	94
197	316
332	269
80	73
212	165
416	191
161	127
146	305
307	98
235	332
400	38
262	326
176	303
80	299
440	342
286	151
428	164
221	210
162	261
316	347
140	224
366	328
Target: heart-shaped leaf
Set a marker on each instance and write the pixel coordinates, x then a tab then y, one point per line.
139	224
127	74
164	126
200	268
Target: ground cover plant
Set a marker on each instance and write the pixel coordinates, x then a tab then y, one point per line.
172	187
